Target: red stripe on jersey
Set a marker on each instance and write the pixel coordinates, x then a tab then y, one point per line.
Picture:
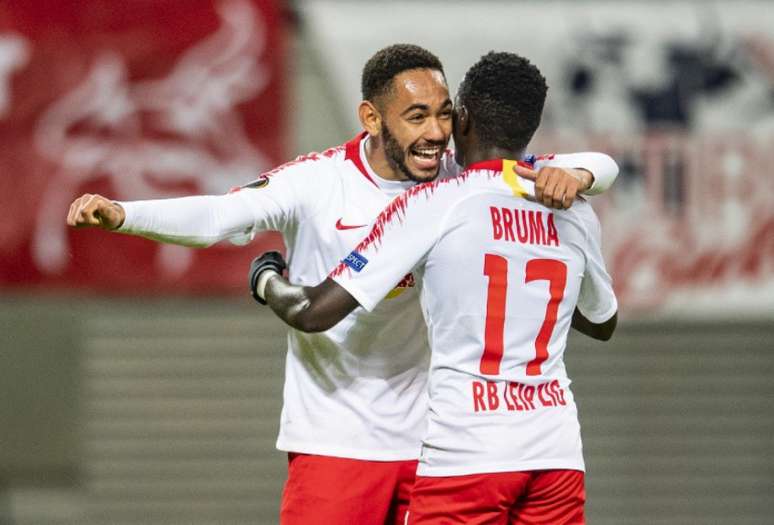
353	154
313	156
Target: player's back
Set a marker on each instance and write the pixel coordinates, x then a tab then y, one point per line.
500	288
501	276
503	265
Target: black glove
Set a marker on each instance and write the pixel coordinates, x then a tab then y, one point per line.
267	261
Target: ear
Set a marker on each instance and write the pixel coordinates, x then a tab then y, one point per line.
370	118
461	120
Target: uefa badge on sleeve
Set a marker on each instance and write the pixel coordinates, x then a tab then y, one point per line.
355	261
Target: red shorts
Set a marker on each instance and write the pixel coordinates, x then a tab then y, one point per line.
326	490
547	497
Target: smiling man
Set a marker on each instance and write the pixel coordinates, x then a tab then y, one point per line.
355	396
418	108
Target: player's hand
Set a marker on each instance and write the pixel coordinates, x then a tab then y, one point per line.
557	187
95	211
268	261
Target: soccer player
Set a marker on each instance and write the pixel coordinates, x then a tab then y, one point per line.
355	396
503	280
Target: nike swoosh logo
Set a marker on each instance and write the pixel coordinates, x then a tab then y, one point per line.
340	226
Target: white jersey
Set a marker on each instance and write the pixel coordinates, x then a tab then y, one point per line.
501	276
359	389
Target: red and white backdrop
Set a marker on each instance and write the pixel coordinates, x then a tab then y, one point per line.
141	99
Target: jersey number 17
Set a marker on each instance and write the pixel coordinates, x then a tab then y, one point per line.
496	269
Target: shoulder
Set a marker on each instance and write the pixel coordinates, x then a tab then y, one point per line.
442	194
304	170
323	162
585	217
446	186
583	211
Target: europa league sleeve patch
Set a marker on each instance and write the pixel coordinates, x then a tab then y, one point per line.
260	182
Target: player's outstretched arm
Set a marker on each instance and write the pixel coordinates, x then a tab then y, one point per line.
602	331
306	308
196	221
91	210
275	201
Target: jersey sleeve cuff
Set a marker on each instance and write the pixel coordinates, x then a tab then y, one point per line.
605	171
600	316
129	216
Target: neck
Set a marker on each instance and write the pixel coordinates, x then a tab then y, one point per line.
377	159
481	154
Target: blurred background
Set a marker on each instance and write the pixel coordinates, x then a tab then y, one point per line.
140	385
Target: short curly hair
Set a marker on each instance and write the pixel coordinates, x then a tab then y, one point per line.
389	62
504	94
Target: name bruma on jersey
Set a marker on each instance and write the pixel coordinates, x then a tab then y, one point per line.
523	226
